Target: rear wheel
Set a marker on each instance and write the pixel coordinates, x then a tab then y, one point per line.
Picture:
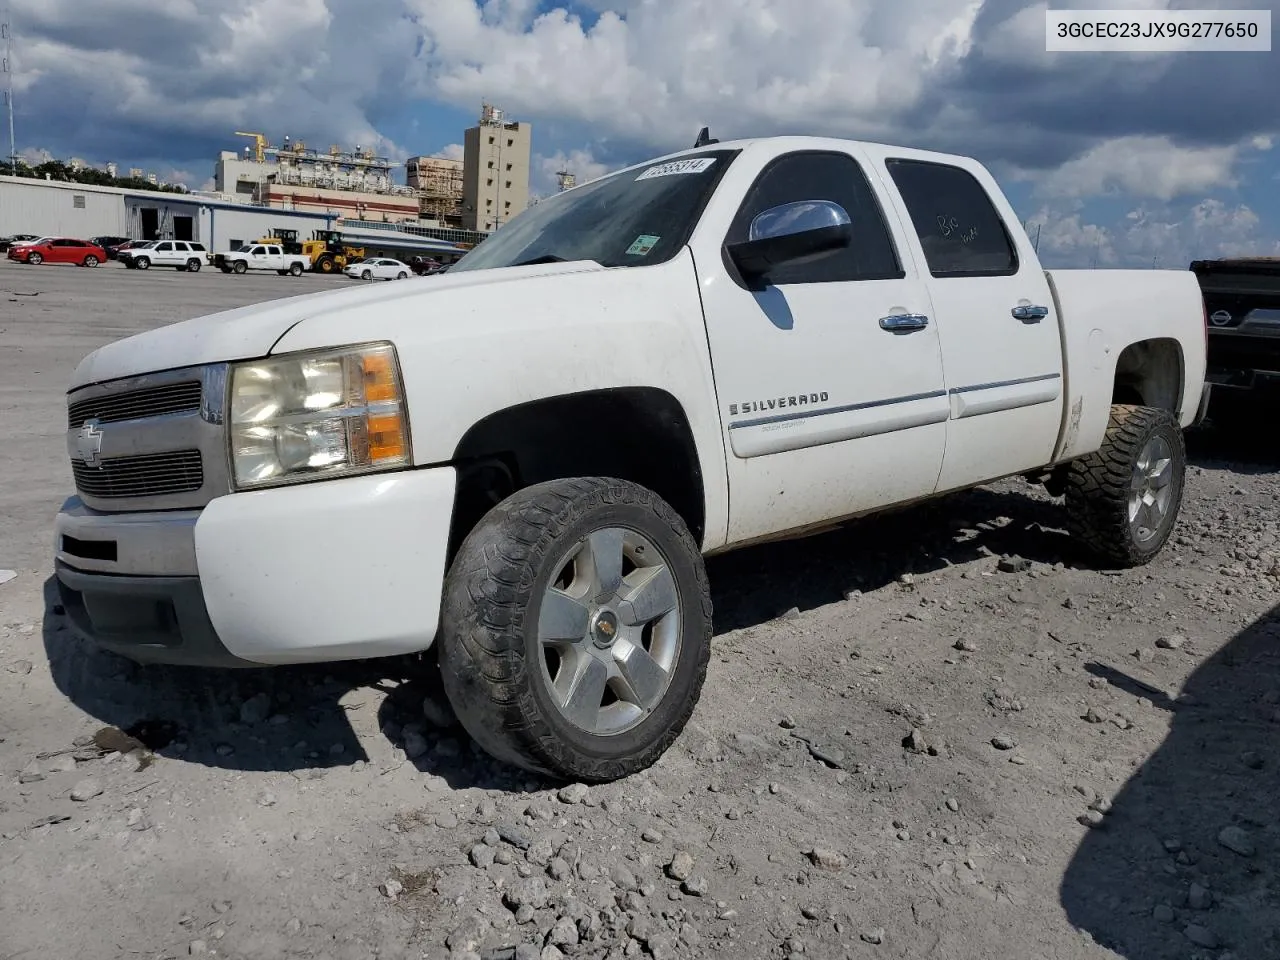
577	629
193	265
295	269
142	263
401	275
1123	500
35	258
325	264
90	261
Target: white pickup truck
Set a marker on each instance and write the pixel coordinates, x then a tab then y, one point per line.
262	256
743	342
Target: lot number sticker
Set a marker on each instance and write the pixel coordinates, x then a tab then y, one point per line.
644	243
700	165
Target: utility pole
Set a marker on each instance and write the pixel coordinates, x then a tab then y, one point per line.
6	33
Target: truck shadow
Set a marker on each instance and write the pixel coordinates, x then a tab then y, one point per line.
1161	877
293	719
1246	449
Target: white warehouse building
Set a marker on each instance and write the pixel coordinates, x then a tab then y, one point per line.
49	208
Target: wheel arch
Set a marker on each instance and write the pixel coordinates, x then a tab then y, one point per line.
641	434
1149	373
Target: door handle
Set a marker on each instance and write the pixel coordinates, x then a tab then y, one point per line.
1029	314
904	322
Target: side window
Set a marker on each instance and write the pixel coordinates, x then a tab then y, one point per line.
825	176
197	247
180	247
164	247
958	226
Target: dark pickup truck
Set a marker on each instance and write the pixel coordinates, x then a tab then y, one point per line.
1242	300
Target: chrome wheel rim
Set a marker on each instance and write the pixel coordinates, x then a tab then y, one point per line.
609	631
1151	489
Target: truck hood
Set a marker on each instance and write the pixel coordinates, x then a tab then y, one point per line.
246	333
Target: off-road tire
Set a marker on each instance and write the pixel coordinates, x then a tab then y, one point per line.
1098	486
489	651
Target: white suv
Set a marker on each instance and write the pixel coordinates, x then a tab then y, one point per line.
182	254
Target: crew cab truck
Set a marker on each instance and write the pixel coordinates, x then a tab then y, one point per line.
743	342
262	256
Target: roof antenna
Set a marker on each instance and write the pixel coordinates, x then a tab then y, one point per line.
704	138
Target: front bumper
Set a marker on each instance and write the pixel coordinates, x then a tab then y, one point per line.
317	572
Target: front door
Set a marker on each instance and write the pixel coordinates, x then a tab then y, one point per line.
1000	331
830	407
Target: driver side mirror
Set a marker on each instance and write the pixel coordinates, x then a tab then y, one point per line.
791	233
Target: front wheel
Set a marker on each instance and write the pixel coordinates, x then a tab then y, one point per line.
142	263
1123	500
576	629
366	275
240	267
35	258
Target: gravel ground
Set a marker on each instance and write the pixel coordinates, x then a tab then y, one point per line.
937	734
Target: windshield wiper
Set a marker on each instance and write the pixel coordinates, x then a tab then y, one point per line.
545	258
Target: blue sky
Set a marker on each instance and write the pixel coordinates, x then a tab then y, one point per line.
1122	160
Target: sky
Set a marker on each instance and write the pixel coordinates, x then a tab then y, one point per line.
1114	160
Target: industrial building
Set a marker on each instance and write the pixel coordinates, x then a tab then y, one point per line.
439	184
82	210
496	162
294	187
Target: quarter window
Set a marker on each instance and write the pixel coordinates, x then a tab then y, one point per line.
959	228
836	177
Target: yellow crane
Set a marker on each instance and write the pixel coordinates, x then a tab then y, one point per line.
259	142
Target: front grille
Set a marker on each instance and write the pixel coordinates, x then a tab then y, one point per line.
150	475
136	404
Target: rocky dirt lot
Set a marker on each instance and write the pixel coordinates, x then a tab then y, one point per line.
939	734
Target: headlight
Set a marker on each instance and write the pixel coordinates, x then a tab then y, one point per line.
317	416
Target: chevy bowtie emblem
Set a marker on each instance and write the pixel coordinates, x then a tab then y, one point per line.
89	443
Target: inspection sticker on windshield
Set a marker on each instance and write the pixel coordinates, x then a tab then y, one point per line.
699	165
644	243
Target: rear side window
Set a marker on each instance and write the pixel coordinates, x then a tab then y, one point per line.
837	177
958	226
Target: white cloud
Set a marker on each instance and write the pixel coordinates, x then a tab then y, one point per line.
1164	237
580	163
1140	166
1262	142
453	151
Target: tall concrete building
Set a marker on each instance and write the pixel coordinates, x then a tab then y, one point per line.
495	181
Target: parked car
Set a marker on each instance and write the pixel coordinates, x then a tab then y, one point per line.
58	250
262	256
821	329
1242	297
378	268
425	266
109	244
183	255
7	242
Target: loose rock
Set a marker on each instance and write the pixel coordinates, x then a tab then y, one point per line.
1013	564
1171	643
86	789
391	889
1201	936
826	859
696	886
875	936
1003	742
573	794
256	709
31	773
1237	841
681	866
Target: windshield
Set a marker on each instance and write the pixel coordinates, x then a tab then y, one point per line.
642	216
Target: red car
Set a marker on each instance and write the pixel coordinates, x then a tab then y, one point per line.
58	250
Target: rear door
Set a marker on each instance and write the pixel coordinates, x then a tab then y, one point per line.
1001	347
829	406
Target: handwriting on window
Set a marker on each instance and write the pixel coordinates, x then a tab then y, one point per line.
950	229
